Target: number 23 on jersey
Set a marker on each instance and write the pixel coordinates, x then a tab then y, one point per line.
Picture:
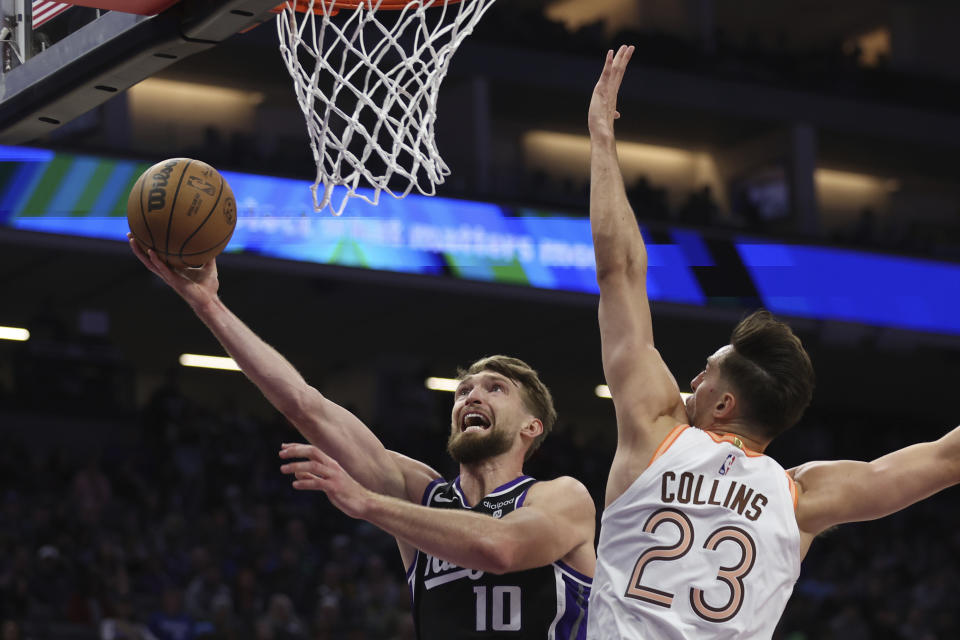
732	576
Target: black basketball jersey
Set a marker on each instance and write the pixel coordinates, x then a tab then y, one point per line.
453	603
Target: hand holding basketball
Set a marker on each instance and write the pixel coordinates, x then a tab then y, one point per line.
183	210
196	286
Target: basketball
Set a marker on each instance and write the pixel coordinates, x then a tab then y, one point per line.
184	210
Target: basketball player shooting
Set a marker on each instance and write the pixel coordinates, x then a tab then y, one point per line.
702	535
492	554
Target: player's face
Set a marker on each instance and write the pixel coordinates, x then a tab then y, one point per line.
488	413
707	389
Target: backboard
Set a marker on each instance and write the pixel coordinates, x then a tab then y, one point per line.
57	66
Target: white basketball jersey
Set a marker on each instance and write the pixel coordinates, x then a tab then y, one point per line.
704	544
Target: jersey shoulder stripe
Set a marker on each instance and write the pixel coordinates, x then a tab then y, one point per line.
669	440
431	489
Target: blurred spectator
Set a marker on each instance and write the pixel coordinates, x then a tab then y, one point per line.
122	626
9	630
280	621
91	490
15	584
50	584
205	588
172	622
225	623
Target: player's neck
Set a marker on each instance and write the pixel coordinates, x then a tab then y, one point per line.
478	480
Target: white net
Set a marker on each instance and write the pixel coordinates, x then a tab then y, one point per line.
368	81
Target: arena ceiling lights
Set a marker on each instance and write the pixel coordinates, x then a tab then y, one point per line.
208	362
603	391
14	333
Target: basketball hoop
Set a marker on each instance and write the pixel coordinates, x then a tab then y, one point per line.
368	83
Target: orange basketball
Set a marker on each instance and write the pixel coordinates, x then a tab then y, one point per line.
184	210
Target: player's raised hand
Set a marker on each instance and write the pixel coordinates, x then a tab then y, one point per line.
603	104
320	472
196	286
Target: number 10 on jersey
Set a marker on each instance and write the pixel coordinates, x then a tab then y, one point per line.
502	606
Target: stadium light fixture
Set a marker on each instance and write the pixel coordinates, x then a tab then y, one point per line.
442	384
14	333
208	362
603	391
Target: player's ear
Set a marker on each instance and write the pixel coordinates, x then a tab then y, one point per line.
725	406
533	428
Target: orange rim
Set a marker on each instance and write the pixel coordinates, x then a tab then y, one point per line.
302	6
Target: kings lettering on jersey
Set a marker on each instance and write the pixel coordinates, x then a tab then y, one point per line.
696	489
437	572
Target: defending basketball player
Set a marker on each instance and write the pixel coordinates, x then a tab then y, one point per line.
492	554
702	535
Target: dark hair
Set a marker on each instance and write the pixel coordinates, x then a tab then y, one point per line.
536	396
770	372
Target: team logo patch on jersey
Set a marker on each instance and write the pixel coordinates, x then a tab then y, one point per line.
725	467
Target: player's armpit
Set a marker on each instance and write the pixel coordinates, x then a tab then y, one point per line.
555	522
417	476
832	493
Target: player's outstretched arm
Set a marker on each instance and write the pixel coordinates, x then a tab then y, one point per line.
319	420
645	394
557	518
835	492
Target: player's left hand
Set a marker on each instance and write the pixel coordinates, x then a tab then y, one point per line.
320	472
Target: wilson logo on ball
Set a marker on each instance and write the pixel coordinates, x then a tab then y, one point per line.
157	196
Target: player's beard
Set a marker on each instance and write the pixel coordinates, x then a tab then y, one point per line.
473	447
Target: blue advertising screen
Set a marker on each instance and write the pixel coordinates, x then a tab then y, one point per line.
87	196
82	195
887	291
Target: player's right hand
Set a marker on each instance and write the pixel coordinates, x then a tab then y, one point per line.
197	286
603	103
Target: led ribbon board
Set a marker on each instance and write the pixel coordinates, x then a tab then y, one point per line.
87	196
853	286
79	195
